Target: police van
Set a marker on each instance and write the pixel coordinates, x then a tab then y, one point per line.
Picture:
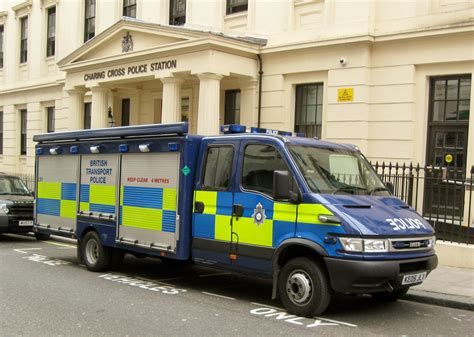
310	215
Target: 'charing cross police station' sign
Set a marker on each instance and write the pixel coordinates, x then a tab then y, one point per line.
130	70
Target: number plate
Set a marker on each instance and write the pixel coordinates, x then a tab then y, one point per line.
25	223
414	278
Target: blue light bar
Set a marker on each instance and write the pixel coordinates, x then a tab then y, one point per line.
173	147
233	128
123	148
39	150
73	149
270	131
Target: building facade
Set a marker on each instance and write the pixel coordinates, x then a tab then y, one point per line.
392	77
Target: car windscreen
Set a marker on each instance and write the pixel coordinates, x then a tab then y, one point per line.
12	185
336	171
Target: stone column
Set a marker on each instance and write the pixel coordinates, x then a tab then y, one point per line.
248	103
171	108
76	108
208	110
100	106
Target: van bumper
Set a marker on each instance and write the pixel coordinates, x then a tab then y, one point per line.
362	277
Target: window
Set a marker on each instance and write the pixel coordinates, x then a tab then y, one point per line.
450	98
177	12
126	112
309	109
23	126
234	6
218	169
89	21
1	46
50	111
259	163
24	39
51	33
232	107
87	115
1	132
130	8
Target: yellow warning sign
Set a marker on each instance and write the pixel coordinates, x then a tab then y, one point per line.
345	94
448	158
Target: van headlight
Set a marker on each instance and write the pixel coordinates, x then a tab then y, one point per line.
3	209
432	242
364	245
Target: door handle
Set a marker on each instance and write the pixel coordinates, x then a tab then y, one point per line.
198	207
237	210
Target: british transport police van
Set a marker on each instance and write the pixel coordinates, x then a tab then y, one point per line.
310	215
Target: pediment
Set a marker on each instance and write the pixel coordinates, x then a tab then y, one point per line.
113	45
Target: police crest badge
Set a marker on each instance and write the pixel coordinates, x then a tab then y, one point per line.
259	214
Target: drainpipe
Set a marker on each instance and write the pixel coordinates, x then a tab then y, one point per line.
260	74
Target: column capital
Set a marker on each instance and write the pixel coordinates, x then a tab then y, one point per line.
76	91
172	80
250	83
210	76
99	88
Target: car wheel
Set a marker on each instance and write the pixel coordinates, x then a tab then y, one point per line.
390	296
42	236
96	257
303	287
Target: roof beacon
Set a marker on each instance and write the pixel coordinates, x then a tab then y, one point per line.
237	128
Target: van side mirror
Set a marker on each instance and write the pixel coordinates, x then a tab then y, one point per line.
285	188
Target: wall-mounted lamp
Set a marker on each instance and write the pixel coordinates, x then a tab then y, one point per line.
110	117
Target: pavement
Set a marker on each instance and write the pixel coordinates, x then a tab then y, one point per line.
446	286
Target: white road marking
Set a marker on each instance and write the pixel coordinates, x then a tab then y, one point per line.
60	244
338	322
265	305
142	283
45	260
220	296
24	250
214	274
66	248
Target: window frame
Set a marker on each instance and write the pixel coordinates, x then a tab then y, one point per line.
50	32
23	131
126	8
232	92
89	35
122	112
234	8
2	34
316	126
203	168
174	16
24	39
84	119
50	122
288	166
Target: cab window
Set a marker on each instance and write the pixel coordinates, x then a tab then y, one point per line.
260	161
218	167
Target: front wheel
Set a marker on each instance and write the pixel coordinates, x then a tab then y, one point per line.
303	287
96	257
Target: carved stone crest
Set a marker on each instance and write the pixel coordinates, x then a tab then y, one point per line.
127	43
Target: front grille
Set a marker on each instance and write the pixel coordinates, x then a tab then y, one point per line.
410	244
21	209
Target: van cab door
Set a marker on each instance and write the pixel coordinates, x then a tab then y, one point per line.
213	200
264	222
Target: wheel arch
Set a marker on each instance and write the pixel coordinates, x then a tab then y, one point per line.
290	249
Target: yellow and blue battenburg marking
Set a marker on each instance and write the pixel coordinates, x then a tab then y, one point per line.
264	222
56	199
148	208
97	198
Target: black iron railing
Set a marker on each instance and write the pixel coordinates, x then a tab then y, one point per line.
443	195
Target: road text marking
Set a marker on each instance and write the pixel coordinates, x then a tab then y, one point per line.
142	283
24	250
46	260
220	296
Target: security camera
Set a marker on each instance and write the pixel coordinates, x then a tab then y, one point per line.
342	61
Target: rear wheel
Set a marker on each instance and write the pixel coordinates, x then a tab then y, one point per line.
390	296
42	236
303	287
96	257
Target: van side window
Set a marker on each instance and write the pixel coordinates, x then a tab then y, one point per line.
218	167
259	163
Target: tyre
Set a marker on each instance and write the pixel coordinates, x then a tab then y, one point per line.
96	257
303	287
390	296
42	236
